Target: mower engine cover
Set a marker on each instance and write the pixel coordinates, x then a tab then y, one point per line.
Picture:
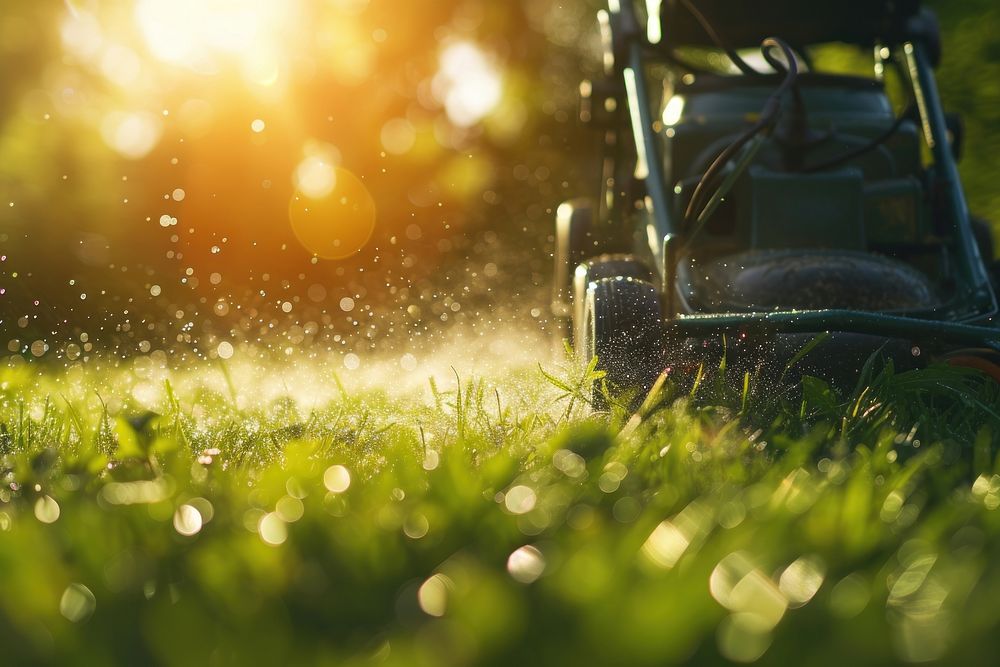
745	23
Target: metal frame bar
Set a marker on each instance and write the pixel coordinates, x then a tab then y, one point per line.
946	174
848	321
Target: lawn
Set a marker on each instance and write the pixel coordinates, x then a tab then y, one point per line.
260	511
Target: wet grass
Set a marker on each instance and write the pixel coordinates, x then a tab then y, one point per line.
195	517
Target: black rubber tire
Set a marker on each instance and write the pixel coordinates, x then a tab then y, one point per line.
624	330
599	268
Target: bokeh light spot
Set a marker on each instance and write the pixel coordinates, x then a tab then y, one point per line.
47	509
526	564
433	595
77	603
398	136
468	83
131	135
520	499
272	529
332	223
187	520
337	479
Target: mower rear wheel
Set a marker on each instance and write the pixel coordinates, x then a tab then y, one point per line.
623	328
599	268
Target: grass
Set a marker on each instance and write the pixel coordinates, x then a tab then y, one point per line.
262	514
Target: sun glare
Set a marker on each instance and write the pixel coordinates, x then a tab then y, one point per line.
468	83
201	34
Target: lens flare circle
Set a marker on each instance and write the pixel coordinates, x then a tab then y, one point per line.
337	224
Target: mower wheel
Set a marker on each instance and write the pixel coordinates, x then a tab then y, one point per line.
598	268
982	359
623	328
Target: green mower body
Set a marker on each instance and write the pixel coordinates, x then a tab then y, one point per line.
769	203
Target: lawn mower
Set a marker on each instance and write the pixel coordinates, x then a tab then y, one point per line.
760	209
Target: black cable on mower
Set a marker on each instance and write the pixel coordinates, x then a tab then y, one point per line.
768	116
709	29
838	160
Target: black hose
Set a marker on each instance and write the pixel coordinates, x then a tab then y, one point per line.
857	152
706	25
768	116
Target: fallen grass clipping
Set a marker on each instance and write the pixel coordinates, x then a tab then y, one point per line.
189	518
